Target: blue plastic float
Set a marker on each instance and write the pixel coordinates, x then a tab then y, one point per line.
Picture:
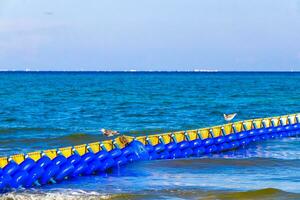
55	165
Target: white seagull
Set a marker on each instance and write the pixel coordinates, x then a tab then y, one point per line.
229	117
109	133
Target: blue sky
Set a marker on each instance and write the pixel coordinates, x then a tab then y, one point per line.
150	35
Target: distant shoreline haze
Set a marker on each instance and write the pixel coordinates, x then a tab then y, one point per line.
151	71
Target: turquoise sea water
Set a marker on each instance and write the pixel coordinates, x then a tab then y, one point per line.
49	110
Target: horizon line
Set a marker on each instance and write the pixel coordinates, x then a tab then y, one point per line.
149	71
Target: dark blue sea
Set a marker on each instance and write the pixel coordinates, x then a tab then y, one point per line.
41	110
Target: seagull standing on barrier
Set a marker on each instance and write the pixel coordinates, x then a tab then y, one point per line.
229	117
109	133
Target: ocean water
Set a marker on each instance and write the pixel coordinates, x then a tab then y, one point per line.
49	110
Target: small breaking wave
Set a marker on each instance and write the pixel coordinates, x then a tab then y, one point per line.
266	194
69	194
54	195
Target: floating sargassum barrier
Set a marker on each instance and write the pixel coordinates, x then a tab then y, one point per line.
55	165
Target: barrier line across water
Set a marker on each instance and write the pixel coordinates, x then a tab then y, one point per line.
54	165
